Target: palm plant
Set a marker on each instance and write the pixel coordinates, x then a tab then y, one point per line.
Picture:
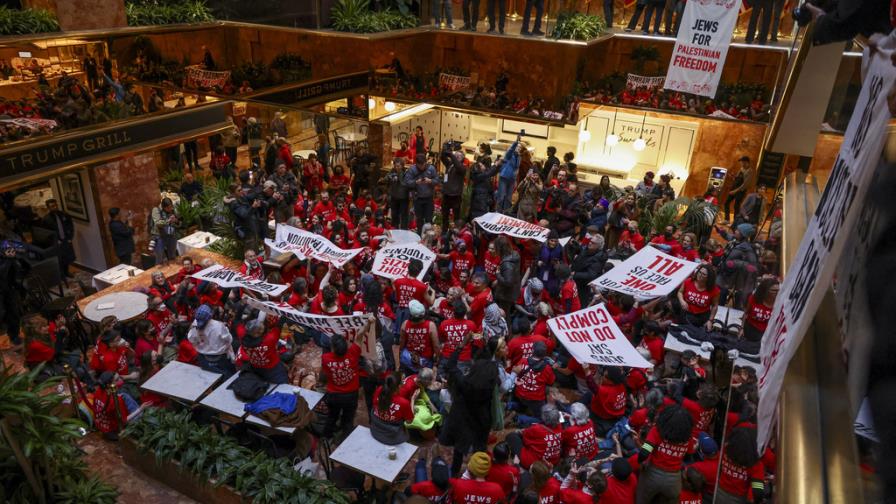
578	26
26	21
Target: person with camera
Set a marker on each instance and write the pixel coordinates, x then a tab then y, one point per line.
423	178
528	196
163	231
482	199
122	235
507	177
398	193
455	177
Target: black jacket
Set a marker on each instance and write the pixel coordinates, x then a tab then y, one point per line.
68	227
456	171
122	238
507	286
849	18
483	190
587	266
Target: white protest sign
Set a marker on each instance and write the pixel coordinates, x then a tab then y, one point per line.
639	81
650	273
401	236
304	245
830	228
496	223
864	423
702	46
592	336
347	325
227	278
392	261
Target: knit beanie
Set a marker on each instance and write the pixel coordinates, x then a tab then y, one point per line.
746	229
479	464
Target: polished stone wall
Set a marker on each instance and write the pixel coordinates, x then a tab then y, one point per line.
76	15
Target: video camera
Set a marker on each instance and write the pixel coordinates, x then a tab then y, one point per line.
451	146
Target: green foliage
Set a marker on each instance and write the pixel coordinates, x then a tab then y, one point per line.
172	436
26	21
642	54
162	12
188	213
29	408
290	67
688	215
258	74
578	26
355	16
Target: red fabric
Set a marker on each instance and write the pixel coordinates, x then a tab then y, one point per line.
142	346
506	475
187	353
609	401
620	492
461	262
735	479
550	492
674	246
477	307
407	289
702	417
161	319
465	491
656	346
490	263
408	387
399	411
427	489
689	255
452	333
569	292
532	385
418	339
666	455
758	314
540	443
698	301
575	496
708	468
38	351
265	355
689	497
110	359
520	347
105	418
580	441
341	372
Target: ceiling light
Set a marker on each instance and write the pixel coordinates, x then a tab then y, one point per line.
639	145
612	139
584	136
389	106
371	103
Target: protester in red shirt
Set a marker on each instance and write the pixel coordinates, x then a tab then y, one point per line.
592	491
435	488
667	242
693	487
419	340
579	439
112	355
662	454
533	375
160	316
490	262
759	308
502	471
461	259
261	352
708	468
541	441
480	298
252	266
569	293
621	484
187	270
210	294
608	404
41	343
452	332
389	406
544	484
186	352
652	339
108	414
148	339
340	370
409	288
742	471
473	487
160	286
699	297
703	410
687	250
521	345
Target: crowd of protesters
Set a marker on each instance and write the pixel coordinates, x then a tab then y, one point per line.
465	359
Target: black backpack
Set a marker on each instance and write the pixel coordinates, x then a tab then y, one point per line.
248	387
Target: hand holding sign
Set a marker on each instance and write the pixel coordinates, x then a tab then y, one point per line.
648	274
592	336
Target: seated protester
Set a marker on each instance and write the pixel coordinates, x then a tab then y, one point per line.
148	339
460	258
187	270
452	332
443	281
688	250
522	344
490	262
699	297
390	412
253	266
608	403
652	339
160	286
479	297
160	316
112	355
544	313
435	489
693	485
703	410
260	350
409	289
621	484
210	294
494	322
544	485
531	294
213	342
759	308
541	441
503	471
419	340
472	486
667	242
185	350
579	439
43	345
108	414
298	298
595	484
533	375
185	300
662	455
742	471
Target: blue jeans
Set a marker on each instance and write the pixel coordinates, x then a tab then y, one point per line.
437	6
407	364
505	191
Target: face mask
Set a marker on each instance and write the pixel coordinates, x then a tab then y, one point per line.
668	235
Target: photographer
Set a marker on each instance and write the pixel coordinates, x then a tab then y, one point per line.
455	176
398	193
482	199
528	196
274	199
423	177
163	230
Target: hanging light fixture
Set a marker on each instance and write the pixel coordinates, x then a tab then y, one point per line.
371	103
613	138
640	144
389	106
584	135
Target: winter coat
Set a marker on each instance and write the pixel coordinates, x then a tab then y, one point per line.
470	419
507	286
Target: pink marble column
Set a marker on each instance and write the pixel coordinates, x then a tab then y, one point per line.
77	15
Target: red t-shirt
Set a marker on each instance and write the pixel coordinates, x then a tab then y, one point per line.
690	497
550	492
735	479
265	355
452	333
520	348
702	417
620	492
407	289
609	401
758	314
342	372
477	307
490	263
38	351
142	346
690	254
187	353
673	244
666	455
461	261
580	441
569	292
698	301
467	491
417	339
408	387
105	418
506	475
575	496
161	319
399	411
531	385
540	442
708	468
427	489
656	346
110	359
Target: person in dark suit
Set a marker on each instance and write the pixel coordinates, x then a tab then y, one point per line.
122	235
60	223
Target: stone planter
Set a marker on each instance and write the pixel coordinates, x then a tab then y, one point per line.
183	481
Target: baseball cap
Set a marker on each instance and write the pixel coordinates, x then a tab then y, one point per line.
416	308
203	315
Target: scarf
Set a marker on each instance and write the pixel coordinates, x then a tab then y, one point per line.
494	325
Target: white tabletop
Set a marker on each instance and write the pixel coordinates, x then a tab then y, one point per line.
224	400
304	153
673	343
363	453
197	240
127	305
353	137
181	381
114	275
310	396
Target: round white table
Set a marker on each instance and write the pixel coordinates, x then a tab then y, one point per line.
125	306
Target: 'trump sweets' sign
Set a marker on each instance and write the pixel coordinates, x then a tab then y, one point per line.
828	231
592	336
304	245
701	46
648	274
496	223
227	278
392	261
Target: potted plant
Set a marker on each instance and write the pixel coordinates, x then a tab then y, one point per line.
647	60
